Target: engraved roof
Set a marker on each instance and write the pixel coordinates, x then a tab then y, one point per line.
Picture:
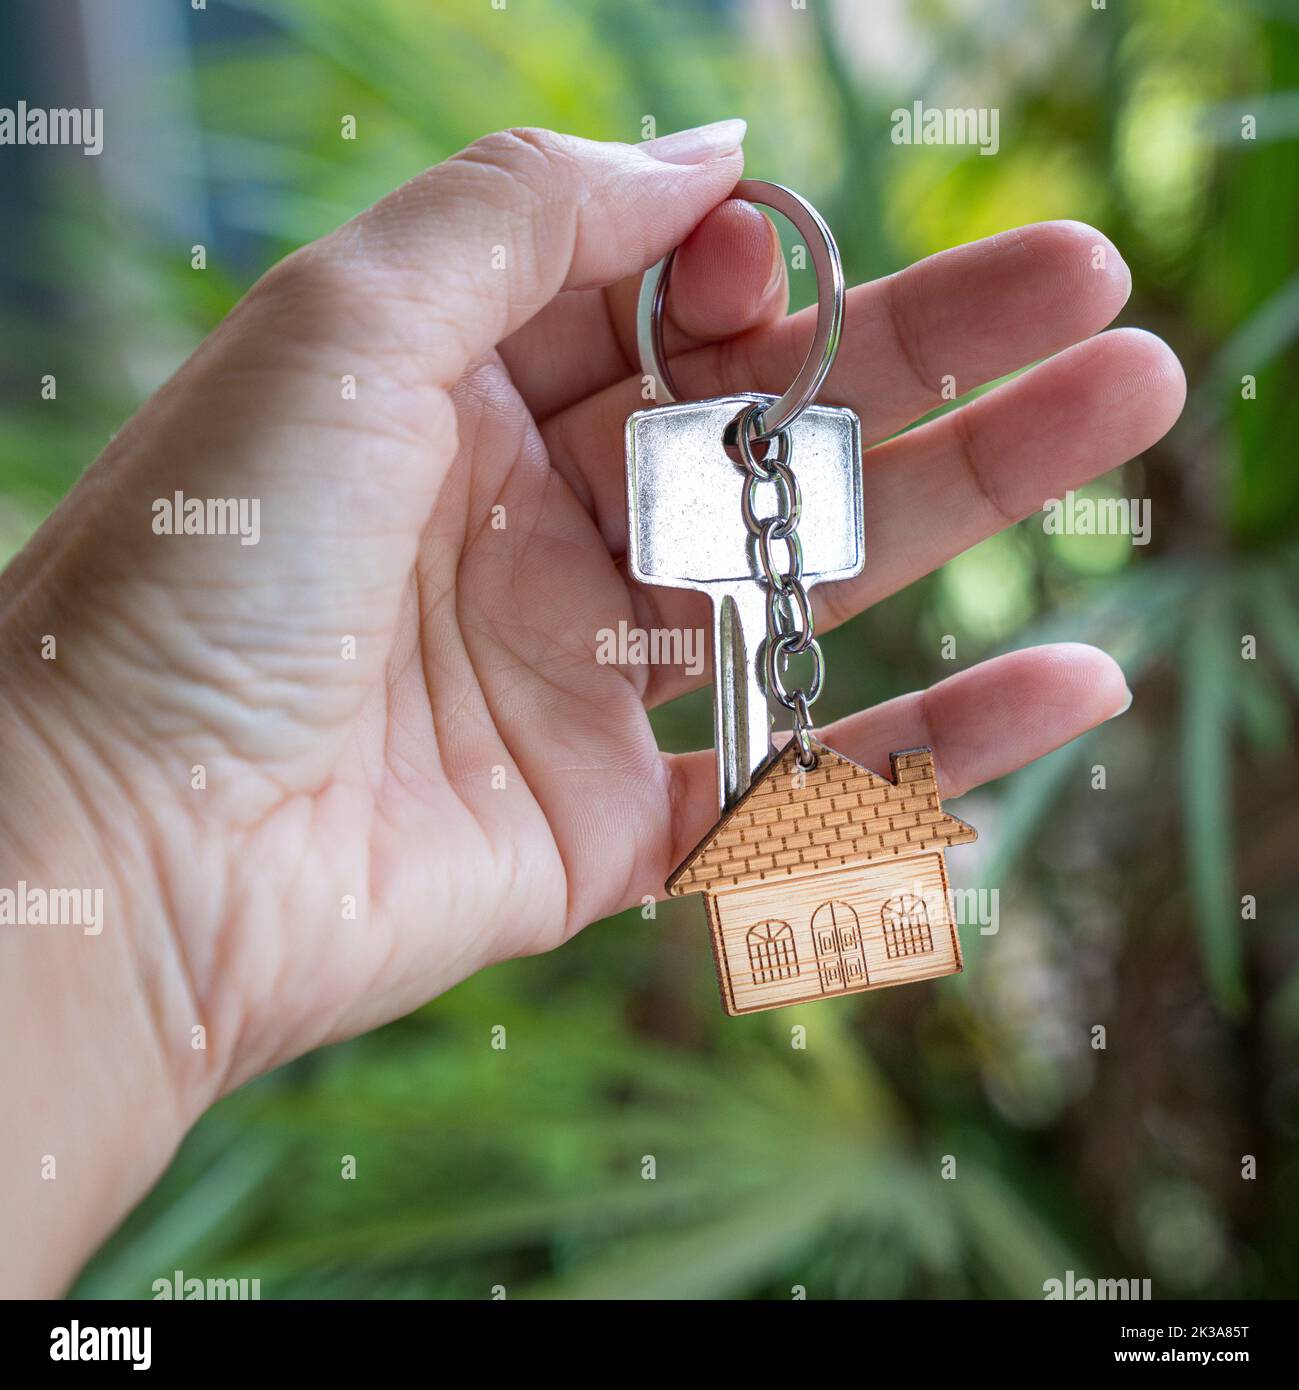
791	824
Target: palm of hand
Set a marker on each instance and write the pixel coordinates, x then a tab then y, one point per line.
414	763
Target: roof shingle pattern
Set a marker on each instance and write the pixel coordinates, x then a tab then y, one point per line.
792	823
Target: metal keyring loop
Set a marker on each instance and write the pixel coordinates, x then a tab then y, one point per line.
780	580
779	649
791	494
785	622
829	309
807	758
746	425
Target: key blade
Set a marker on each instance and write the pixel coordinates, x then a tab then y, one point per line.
741	713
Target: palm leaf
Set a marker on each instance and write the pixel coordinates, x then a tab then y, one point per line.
1207	796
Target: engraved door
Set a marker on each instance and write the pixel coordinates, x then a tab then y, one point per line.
840	957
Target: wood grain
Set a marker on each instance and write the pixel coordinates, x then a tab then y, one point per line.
826	882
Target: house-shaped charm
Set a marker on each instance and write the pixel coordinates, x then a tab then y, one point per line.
828	881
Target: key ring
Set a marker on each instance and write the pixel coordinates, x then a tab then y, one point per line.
769	420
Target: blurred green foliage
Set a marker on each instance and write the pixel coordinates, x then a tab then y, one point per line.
779	1167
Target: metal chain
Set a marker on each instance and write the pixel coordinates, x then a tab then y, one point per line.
790	627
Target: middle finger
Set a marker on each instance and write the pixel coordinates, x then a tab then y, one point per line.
943	326
941	488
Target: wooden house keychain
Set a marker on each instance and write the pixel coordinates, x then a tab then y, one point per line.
821	878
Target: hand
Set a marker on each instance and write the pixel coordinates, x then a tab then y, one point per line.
393	696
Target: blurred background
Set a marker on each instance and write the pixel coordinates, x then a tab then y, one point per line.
1159	907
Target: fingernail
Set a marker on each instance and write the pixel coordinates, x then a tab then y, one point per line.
1124	707
698	145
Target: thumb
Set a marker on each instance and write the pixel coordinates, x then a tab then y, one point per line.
403	298
479	244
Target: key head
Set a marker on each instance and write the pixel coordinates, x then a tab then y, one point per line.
685	527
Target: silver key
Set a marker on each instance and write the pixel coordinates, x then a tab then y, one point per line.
686	531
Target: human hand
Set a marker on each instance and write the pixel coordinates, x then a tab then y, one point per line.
393	694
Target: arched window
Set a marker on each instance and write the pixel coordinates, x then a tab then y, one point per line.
906	926
772	954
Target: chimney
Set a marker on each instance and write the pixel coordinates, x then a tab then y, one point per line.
914	770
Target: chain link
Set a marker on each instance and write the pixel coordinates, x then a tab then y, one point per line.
791	629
